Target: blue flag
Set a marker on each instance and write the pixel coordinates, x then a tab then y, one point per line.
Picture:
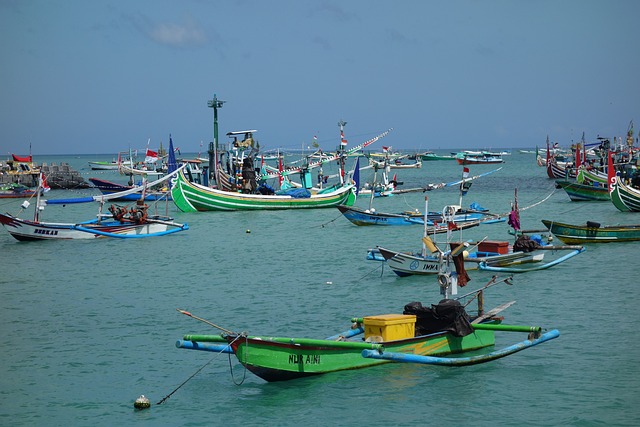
171	165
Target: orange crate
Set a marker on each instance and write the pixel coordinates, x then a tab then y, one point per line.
493	246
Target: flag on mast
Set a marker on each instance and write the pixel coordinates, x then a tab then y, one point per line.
151	156
611	172
172	165
43	183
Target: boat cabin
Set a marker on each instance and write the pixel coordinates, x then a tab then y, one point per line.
247	140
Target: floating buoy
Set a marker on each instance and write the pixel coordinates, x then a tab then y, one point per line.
248	231
142	402
329	283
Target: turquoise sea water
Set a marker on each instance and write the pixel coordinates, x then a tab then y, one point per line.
89	326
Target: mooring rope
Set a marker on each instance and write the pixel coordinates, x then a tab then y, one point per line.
381	267
244	375
211	360
187	380
329	222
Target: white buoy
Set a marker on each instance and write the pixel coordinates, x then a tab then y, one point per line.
142	402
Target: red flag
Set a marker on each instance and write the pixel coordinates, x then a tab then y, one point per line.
578	156
548	152
611	172
151	156
43	183
343	141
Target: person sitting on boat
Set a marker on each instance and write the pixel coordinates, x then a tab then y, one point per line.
249	183
635	179
139	214
118	212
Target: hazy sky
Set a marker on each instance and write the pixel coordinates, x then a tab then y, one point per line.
102	76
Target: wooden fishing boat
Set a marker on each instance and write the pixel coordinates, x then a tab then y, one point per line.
592	232
421	335
624	197
129	226
469	217
193	197
478	158
122	222
462	218
428	260
518	268
108	187
431	156
583	192
20	170
408	264
559	170
104	165
14	190
395	164
591	176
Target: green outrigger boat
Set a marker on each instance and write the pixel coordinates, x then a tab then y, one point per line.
593	232
192	197
624	197
284	358
422	335
578	192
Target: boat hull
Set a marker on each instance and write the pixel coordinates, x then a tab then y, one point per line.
103	165
592	232
434	157
280	361
470	161
191	197
364	217
624	197
582	192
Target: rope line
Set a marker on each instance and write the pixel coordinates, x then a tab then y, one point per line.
244	374
187	380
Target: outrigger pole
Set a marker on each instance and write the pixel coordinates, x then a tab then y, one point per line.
215	103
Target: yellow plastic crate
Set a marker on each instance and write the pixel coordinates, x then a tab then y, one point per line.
389	326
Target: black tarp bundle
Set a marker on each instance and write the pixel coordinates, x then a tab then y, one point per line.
448	315
525	244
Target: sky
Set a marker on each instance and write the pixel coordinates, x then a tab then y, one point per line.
86	77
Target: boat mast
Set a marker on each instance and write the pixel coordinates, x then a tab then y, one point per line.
425	233
36	214
341	124
373	186
215	103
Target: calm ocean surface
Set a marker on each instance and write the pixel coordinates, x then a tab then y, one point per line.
89	326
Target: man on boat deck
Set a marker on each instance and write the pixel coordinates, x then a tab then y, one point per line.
249	184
